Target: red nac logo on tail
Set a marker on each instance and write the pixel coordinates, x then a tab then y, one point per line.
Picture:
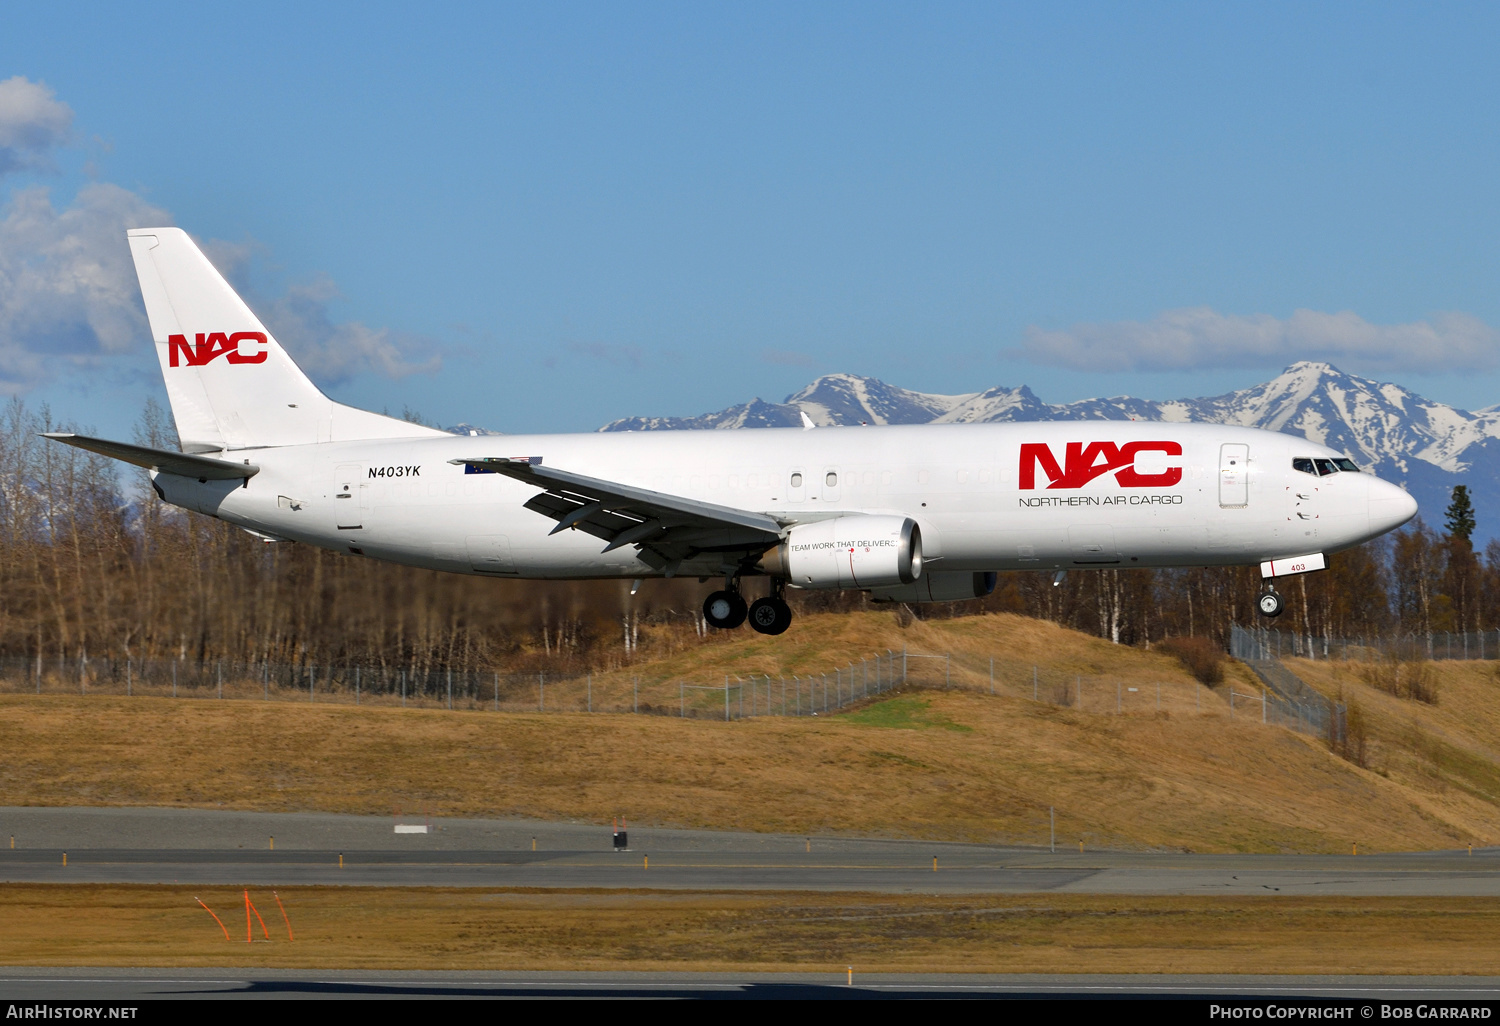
213	345
1084	462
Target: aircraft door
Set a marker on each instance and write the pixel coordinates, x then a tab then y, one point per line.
351	497
1234	478
830	484
796	488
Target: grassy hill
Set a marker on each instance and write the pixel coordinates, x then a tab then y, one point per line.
952	764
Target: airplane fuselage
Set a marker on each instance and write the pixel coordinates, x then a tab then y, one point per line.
986	496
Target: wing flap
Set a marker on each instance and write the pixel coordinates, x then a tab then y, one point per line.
670	527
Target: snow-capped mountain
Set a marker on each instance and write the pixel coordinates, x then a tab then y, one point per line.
1426	446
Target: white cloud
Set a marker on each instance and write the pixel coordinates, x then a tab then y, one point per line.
69	296
32	124
67	286
332	352
1198	338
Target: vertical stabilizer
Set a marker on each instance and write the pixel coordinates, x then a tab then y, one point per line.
230	383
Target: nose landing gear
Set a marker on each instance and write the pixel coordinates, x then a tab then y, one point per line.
1270	602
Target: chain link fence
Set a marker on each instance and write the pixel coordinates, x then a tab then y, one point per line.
729	697
1271	643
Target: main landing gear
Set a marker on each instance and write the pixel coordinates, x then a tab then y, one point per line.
1270	601
726	609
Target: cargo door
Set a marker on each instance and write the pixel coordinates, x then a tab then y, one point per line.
1234	477
351	497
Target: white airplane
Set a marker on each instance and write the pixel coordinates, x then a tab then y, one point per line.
912	514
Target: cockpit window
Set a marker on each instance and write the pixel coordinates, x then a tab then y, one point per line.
1326	467
1344	463
1304	464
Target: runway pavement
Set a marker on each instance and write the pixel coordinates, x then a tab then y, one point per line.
226	848
147	985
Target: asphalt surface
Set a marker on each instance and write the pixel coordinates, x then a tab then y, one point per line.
146	985
236	849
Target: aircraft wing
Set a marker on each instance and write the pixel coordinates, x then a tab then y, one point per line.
666	528
204	468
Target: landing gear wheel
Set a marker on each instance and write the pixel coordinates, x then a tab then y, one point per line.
1270	604
770	616
724	610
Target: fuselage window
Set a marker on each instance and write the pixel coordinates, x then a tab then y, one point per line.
832	480
1346	464
1326	467
796	480
1304	464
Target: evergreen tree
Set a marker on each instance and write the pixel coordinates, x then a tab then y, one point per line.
1460	514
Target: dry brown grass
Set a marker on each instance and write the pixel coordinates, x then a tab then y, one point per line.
1443	753
434	928
989	773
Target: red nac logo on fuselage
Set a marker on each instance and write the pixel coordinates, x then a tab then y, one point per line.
213	345
1082	463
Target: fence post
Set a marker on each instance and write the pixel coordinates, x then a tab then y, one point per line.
948	670
591	692
726	698
450	689
635	701
220	667
403	687
541	692
497	690
903	664
174	680
127	676
356	685
1263	705
265	680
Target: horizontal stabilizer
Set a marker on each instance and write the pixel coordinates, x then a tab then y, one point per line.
164	460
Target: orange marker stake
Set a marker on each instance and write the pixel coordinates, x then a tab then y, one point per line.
211	912
283	916
250	907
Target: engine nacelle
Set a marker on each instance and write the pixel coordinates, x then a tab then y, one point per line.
939	587
849	552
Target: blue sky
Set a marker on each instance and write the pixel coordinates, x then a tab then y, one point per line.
544	217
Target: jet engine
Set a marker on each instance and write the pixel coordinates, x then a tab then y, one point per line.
848	552
939	587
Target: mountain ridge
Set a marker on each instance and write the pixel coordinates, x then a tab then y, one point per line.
1426	446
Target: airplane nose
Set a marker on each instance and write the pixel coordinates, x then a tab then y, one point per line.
1390	506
